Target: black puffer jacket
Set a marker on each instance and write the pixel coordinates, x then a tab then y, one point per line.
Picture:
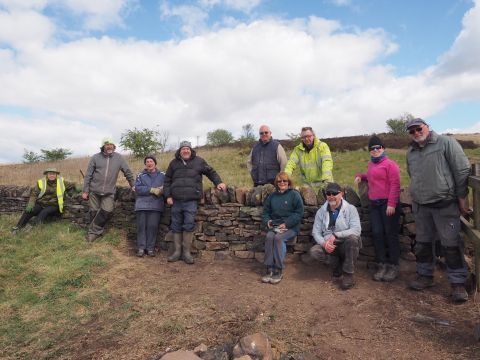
183	179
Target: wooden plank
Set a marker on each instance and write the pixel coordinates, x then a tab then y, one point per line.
474	235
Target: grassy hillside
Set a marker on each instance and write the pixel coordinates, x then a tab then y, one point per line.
230	162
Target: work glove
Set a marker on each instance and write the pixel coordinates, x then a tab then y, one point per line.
157	191
29	208
78	188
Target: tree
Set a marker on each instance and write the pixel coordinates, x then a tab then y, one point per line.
247	133
30	157
397	126
219	137
163	139
141	142
55	154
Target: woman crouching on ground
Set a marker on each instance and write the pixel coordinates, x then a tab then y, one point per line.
282	213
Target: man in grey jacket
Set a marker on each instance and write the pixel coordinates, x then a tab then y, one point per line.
439	171
100	185
337	232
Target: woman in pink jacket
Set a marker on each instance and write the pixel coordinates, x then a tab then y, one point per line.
383	176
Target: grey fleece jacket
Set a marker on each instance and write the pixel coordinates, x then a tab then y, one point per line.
438	171
348	223
102	173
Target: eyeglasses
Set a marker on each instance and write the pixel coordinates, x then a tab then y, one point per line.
307	136
375	147
332	193
417	129
264	132
282	181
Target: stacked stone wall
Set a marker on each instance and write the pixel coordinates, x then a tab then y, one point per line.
226	221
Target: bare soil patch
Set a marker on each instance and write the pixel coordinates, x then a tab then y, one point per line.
174	305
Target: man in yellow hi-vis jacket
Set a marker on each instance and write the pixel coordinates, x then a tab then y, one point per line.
314	160
46	198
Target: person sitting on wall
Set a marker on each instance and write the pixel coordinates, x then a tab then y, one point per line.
336	230
46	198
282	214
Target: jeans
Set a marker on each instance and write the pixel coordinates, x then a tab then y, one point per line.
276	248
183	216
385	232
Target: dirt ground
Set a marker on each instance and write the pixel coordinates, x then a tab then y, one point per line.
217	302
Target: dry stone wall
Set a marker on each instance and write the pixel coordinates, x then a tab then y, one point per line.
227	222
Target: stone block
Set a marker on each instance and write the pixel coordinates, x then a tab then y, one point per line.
244	254
211	246
308	195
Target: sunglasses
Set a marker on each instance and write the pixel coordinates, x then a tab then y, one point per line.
263	132
417	129
375	147
282	181
332	193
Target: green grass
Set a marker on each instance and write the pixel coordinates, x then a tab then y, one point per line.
49	286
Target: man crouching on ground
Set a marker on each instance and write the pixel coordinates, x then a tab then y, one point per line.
183	188
337	232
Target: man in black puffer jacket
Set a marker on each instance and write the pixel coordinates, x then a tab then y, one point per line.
183	188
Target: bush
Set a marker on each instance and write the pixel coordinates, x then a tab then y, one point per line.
55	154
219	137
141	142
30	157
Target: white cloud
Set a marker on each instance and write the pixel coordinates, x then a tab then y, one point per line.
240	5
284	73
24	29
193	18
98	14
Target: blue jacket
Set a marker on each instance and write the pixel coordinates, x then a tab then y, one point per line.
144	182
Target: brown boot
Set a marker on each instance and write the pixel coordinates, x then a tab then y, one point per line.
187	246
177	246
347	281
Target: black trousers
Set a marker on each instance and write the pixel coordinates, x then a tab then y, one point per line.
40	212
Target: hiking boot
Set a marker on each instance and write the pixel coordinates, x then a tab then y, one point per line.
177	245
391	273
14	230
459	294
90	238
151	253
381	270
268	276
337	271
347	281
140	253
277	276
421	283
187	246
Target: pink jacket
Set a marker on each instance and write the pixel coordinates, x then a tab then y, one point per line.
383	181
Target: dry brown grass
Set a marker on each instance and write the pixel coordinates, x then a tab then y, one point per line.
230	163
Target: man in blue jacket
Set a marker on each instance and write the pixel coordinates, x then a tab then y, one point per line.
183	188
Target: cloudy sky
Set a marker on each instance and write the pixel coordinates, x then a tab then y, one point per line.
74	71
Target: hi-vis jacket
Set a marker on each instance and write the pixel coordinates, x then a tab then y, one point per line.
315	166
48	193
